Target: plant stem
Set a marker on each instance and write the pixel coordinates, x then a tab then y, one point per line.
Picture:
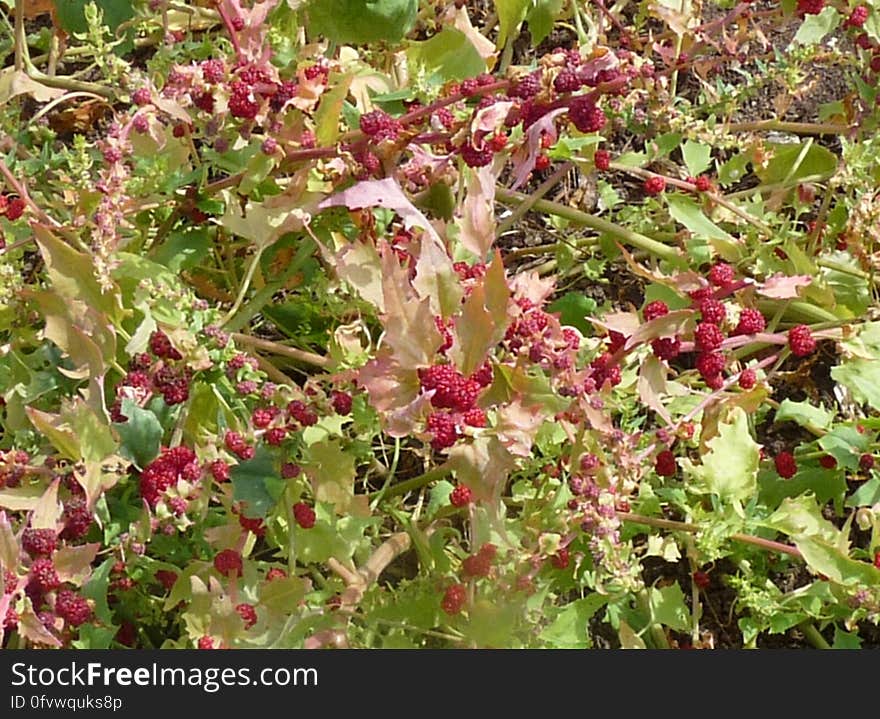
658	249
408	485
768	544
283	350
813	636
795	128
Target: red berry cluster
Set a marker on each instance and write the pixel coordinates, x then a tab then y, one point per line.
454	599
39	542
304	515
228	563
248	613
479	564
461	496
786	466
11	207
164	472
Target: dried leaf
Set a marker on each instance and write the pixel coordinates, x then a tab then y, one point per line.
14	83
48	510
518	425
652	386
358	264
527	153
477	216
9	549
782	287
74	563
436	278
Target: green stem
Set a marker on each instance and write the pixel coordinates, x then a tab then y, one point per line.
813	636
409	485
658	249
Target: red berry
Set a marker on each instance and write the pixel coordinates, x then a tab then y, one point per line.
475	417
442	426
290	470
77	519
72	608
454	599
707	337
213	71
877	559
665	465
542	162
275	573
567	80
206	643
751	321
701	579
43	575
161	346
39	542
341	402
141	96
166	578
827	461
602	160
655	185
477	565
304	515
585	115
710	364
247	613
713	311
655	309
703	184
228	562
666	348
857	17
15	209
461	496
747	379
561	558
721	274
469	86
786	466
527	87
498	142
800	340
474	157
810	7
866	462
379	125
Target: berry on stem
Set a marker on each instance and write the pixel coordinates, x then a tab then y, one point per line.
801	341
786	466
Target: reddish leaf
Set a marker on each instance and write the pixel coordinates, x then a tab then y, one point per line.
652	386
477	215
526	154
781	287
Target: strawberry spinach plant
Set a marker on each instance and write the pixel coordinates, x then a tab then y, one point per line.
439	324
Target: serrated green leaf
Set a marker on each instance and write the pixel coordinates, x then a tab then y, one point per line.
814	28
730	466
805	414
96	590
541	18
793	162
846	640
686	211
511	13
359	22
862	378
141	436
574	308
569	628
865	496
697	157
329	110
668	607
846	445
258	482
447	55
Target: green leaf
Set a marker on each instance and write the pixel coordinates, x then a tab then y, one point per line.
541	18
734	170
668	607
573	309
814	28
802	517
686	211
258	482
793	162
826	484
329	110
359	22
71	13
569	629
867	495
183	250
141	436
826	558
448	55
862	378
846	640
805	414
96	590
730	466
511	13
332	471
697	157
846	445
439	497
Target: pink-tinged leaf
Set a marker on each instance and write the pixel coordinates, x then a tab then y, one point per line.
389	385
474	333
32	629
589	70
518	425
461	21
252	35
171	108
527	153
533	287
782	287
497	295
477	215
669	325
95	481
436	278
652	386
423	163
627	323
490	119
358	264
385	193
409	323
74	564
48	510
681	282
21	499
483	465
401	421
9	549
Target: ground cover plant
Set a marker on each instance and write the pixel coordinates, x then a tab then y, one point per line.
520	324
